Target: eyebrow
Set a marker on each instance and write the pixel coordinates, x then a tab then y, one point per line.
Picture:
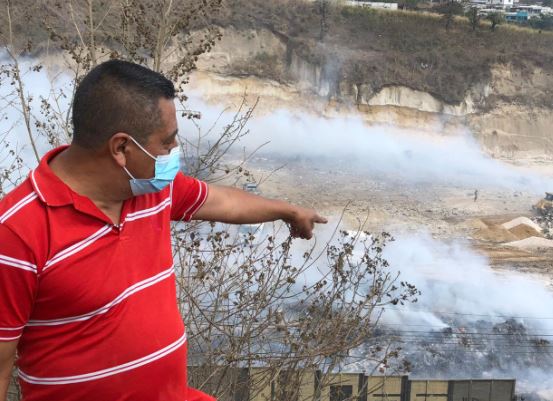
170	137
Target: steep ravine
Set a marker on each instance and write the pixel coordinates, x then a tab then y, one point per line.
510	115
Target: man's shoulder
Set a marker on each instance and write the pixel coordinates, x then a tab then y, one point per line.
22	212
17	202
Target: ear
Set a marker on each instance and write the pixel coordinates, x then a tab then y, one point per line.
118	147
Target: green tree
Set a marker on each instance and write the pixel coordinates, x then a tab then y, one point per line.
496	19
408	4
544	22
474	18
449	10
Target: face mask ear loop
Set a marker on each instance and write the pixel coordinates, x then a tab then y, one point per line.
128	172
141	147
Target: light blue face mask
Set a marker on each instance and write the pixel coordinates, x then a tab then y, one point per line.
166	168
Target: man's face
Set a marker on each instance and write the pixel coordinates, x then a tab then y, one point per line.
159	142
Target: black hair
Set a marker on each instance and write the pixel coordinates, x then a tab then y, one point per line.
118	96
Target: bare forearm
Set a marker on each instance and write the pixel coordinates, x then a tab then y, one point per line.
4	383
7	356
231	205
5	378
241	207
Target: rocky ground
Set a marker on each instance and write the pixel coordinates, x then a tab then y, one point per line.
388	203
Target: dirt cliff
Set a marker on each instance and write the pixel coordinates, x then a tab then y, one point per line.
509	113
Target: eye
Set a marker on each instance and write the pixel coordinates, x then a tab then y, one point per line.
170	140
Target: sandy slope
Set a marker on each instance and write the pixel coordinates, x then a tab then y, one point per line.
389	202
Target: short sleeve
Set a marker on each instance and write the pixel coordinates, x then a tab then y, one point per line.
187	197
18	284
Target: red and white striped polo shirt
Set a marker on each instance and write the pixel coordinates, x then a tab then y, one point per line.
92	304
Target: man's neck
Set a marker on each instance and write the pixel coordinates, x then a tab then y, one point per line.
90	174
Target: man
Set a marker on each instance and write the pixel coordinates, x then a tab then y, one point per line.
87	287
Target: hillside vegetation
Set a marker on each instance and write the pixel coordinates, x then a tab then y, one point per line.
382	48
358	46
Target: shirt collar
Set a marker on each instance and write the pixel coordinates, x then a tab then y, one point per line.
49	188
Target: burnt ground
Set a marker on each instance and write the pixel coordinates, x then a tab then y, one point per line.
386	203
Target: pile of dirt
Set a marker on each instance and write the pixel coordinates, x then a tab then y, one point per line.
494	233
522	231
532	243
521	221
512	231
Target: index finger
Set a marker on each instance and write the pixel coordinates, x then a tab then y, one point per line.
320	219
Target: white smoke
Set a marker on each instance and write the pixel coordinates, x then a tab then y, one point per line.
461	291
455	281
454	278
384	151
38	85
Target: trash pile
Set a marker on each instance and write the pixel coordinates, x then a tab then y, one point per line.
467	350
546	223
544	217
